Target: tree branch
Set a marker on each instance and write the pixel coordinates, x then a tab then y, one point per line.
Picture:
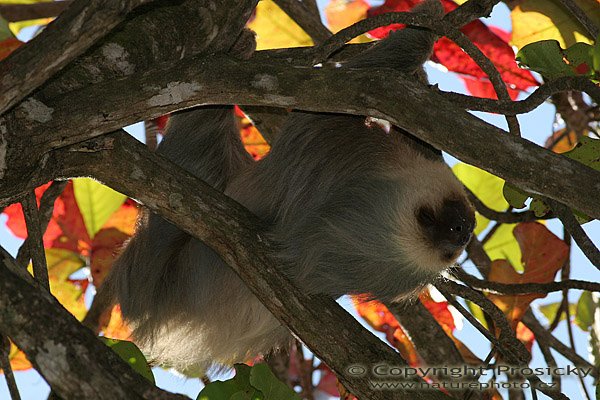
78	28
540	95
70	358
46	209
524	288
540	332
34	232
7	368
223	80
582	17
25	12
581	238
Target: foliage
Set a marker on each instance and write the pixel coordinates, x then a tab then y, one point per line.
90	222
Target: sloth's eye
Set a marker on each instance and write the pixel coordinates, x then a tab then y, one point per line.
425	216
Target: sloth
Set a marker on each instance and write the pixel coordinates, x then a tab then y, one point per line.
351	207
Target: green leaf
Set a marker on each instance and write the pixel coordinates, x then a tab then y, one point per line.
5	32
236	388
96	203
539	208
219	390
487	187
503	245
130	353
514	196
550	310
587	152
580	56
545	57
263	379
584	314
596	55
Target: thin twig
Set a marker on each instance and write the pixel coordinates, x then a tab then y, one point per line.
306	18
45	211
511	348
540	95
337	41
581	238
550	360
524	288
565	274
540	332
13	389
582	17
507	343
476	324
502	216
38	256
491	71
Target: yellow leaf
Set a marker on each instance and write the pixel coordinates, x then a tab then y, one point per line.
16	27
535	20
62	263
274	29
503	245
487	187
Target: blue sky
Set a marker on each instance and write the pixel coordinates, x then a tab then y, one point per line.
536	127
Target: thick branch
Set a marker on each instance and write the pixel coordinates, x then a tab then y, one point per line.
147	38
70	358
24	12
223	80
78	28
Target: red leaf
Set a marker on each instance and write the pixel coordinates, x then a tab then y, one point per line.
105	248
161	122
484	88
491	41
66	229
328	382
9	45
439	310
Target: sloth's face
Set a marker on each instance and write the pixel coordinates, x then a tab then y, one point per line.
449	228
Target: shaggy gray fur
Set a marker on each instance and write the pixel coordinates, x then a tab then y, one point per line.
340	198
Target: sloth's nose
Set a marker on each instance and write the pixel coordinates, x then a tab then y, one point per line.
460	232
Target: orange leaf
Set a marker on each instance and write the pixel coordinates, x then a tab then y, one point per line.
543	255
105	248
110	239
116	327
253	141
562	141
343	13
18	361
381	319
525	335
